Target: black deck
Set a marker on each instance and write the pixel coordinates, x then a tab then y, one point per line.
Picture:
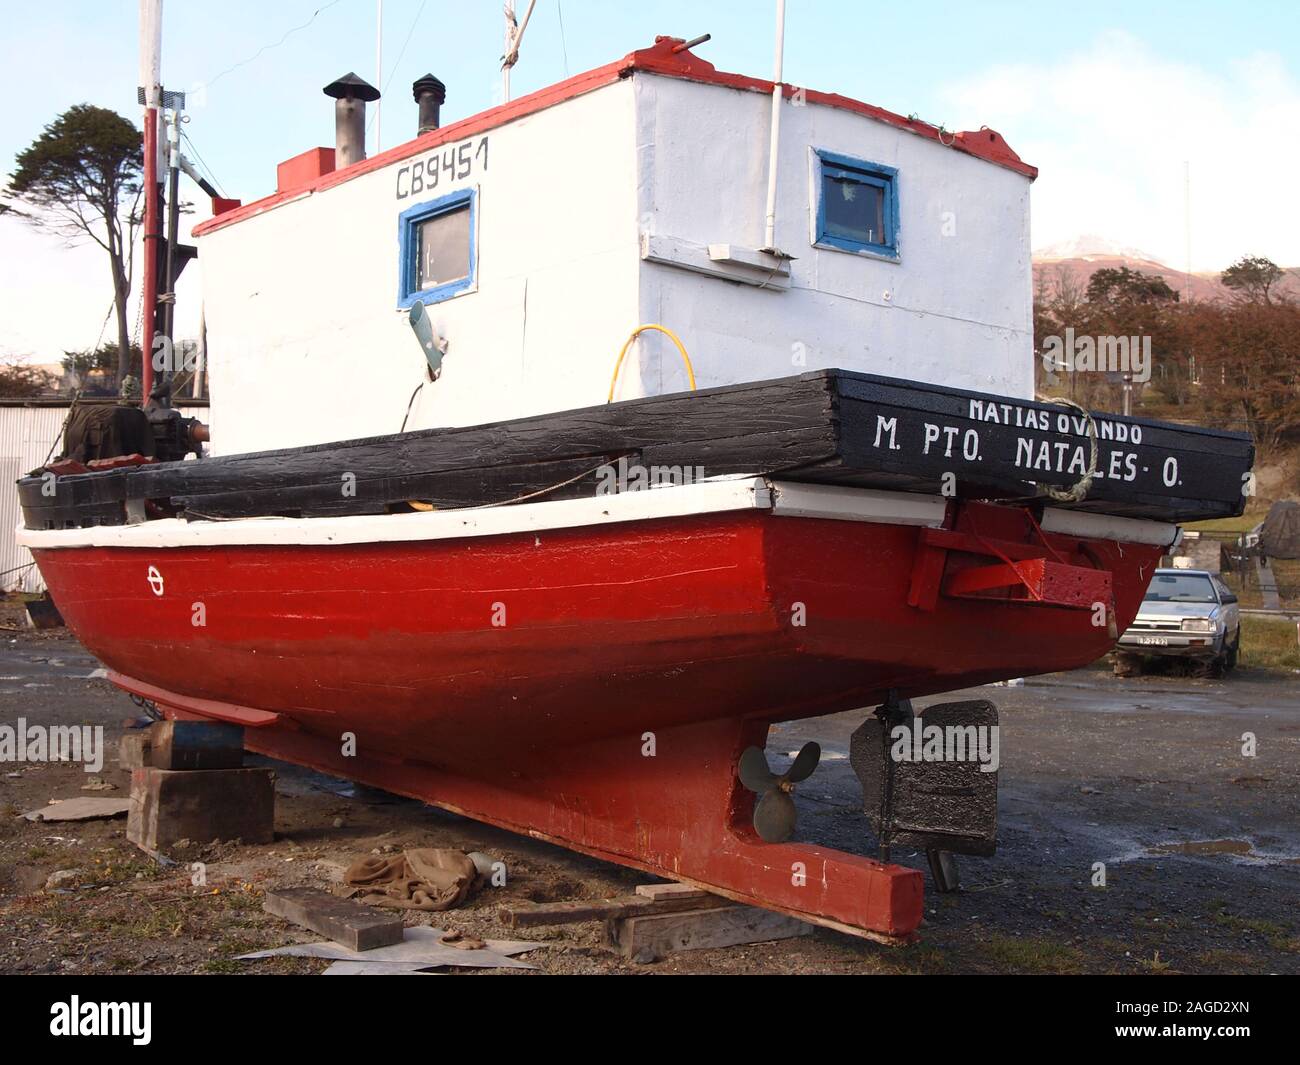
830	426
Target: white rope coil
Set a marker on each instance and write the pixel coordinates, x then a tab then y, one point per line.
1077	492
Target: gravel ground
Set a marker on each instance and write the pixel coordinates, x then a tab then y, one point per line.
1201	845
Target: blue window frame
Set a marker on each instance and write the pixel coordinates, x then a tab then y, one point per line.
437	248
857	205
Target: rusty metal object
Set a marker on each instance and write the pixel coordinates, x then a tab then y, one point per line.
944	805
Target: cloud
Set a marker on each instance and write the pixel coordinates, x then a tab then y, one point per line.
1111	128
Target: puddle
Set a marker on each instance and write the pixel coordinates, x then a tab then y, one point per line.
1241	849
1208	846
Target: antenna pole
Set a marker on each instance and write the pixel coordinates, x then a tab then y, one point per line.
379	72
506	63
1187	226
514	38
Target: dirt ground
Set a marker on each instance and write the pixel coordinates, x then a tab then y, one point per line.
1201	845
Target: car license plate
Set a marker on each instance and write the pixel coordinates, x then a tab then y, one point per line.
1154	641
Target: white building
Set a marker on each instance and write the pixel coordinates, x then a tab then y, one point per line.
539	234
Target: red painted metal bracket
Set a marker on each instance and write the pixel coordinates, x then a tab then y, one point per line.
1046	581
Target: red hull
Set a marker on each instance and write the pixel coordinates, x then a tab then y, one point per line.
514	677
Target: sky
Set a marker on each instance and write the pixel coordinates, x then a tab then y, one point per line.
1123	107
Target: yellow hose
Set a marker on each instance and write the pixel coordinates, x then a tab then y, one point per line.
690	370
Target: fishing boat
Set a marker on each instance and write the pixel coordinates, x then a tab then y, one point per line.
558	452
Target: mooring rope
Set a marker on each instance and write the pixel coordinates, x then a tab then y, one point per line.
1077	492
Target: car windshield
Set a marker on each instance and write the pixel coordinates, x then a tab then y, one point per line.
1180	588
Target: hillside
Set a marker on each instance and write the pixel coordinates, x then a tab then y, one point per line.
1077	260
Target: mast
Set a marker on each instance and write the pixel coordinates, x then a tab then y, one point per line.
514	38
151	97
379	75
506	62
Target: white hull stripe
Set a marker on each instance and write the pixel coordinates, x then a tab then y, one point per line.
782	499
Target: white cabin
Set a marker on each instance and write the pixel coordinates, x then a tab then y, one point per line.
541	233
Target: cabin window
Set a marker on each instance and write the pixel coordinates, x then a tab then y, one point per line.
436	243
857	205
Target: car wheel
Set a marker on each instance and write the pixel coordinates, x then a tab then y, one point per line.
1230	654
1127	665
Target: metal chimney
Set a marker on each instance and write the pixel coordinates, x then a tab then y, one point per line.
351	94
430	94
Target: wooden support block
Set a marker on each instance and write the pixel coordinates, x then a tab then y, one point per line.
356	926
531	914
649	937
670	891
197	745
135	749
168	806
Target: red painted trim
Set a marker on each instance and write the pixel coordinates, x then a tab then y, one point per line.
984	143
660	59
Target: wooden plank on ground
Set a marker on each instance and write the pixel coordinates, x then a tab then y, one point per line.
531	914
649	937
670	891
355	926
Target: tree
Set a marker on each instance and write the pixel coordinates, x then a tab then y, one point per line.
1112	285
1250	359
1124	315
1251	278
82	178
97	371
19	380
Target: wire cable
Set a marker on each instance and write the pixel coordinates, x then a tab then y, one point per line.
268	47
392	72
564	45
212	175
